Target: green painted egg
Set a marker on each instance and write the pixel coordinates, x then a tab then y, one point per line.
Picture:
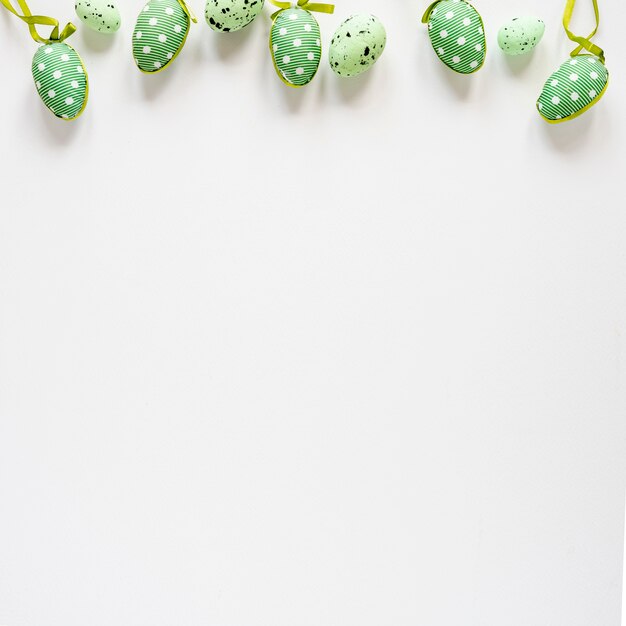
160	34
457	34
356	45
230	15
296	46
102	16
520	35
61	80
573	89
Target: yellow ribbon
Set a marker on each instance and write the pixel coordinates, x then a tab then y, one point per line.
429	10
40	20
186	8
583	42
319	7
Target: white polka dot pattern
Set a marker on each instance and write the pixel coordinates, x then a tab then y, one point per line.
296	46
457	35
160	34
61	80
575	87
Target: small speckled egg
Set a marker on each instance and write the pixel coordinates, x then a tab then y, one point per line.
296	47
160	34
230	15
100	15
575	87
356	45
520	35
457	35
61	80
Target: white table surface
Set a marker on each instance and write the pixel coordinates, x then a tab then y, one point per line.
351	355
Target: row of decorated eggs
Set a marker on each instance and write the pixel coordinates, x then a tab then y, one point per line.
295	44
162	26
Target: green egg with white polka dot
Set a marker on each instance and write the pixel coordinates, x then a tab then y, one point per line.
356	45
61	80
574	88
103	16
457	34
296	47
160	34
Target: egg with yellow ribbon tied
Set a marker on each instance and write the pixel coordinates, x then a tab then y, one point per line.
160	33
58	71
296	42
457	34
579	82
61	80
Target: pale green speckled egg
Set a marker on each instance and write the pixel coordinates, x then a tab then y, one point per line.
102	16
520	35
356	45
227	16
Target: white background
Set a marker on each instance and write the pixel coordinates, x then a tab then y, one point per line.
351	355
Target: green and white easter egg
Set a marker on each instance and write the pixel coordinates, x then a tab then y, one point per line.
230	15
296	46
520	35
102	16
356	45
61	80
160	34
573	89
457	35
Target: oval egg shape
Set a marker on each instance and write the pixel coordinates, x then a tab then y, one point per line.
227	16
296	46
457	35
520	35
61	80
573	89
160	34
102	16
356	45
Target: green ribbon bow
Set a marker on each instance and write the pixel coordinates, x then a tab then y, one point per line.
583	42
319	7
40	20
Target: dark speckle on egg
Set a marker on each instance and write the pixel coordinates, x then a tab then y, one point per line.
356	45
231	15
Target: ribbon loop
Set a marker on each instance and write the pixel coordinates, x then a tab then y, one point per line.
584	43
429	10
40	20
186	9
307	5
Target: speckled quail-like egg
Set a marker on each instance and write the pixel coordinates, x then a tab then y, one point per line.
575	87
356	45
61	80
520	35
457	34
99	15
160	34
296	46
229	15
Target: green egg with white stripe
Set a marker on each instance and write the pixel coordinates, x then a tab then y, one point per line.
61	80
574	88
457	34
160	34
296	46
